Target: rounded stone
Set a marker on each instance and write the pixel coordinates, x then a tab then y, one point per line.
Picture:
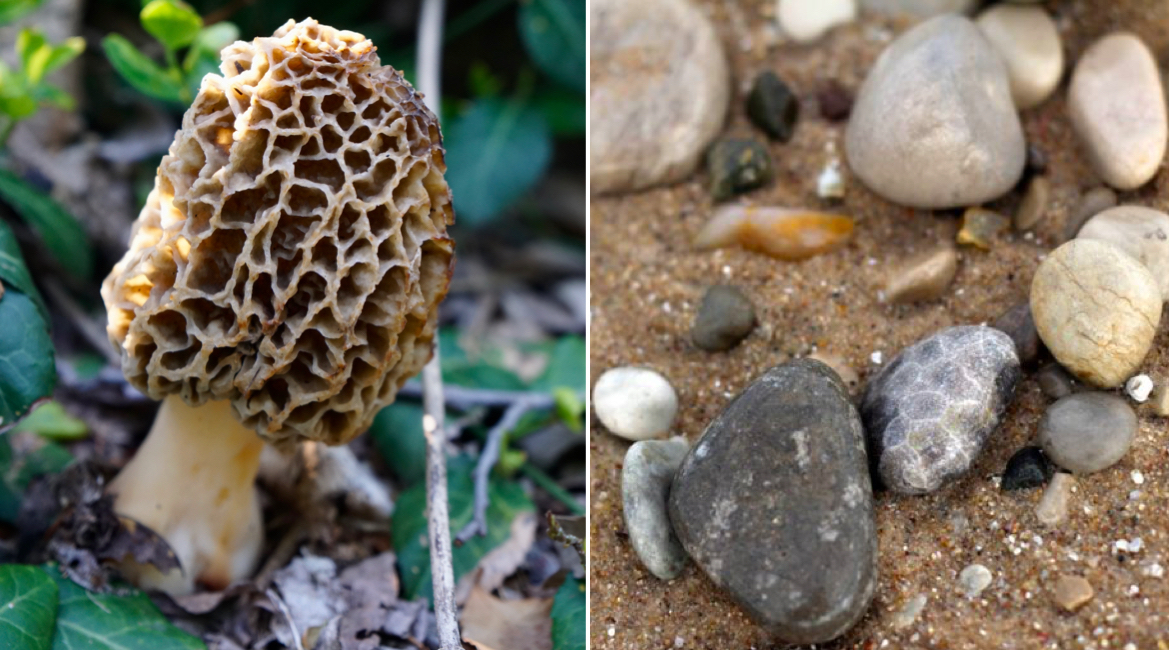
941	87
1027	468
660	86
974	579
924	276
725	317
929	412
807	21
1028	41
774	503
1034	204
635	403
646	476
917	8
1087	432
1140	232
1096	309
1020	326
1091	203
1117	107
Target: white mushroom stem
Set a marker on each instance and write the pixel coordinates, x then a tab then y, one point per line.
193	482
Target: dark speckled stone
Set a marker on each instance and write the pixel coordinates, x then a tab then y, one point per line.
774	502
929	412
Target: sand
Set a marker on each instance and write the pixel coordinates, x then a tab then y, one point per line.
646	285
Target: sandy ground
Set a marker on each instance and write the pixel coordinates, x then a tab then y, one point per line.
646	284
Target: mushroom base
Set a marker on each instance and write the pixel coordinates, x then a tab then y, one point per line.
193	482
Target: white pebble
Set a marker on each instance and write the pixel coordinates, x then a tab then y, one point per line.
635	403
877	357
1138	477
830	184
974	579
1139	388
1154	570
806	21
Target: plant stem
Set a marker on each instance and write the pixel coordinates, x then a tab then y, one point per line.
552	488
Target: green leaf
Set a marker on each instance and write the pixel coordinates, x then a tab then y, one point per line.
175	24
13	271
109	622
507	500
397	433
46	94
16	472
63	53
564	110
26	357
28	607
10	10
554	33
51	421
569	408
139	71
203	56
60	232
29	42
496	152
483	371
568	616
566	366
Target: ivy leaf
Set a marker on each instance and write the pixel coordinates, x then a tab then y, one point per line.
507	501
496	152
60	232
554	33
109	622
27	372
139	71
13	272
397	433
568	616
175	24
28	607
50	421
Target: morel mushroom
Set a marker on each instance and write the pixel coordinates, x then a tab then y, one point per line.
283	280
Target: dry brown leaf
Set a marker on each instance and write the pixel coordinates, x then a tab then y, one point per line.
490	622
503	560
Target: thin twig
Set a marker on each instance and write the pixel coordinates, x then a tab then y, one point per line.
438	517
463	398
287	615
487	460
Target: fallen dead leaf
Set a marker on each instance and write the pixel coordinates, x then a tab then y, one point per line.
492	623
503	560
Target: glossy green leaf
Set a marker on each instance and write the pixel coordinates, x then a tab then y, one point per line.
175	24
507	500
60	232
496	152
564	110
50	421
554	33
13	271
16	472
29	43
568	616
110	622
397	433
139	71
27	372
28	607
11	10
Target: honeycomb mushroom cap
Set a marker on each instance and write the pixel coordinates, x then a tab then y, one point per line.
293	253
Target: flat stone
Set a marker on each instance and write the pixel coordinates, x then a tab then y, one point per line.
660	87
773	106
635	403
737	165
1140	232
646	476
1052	508
1020	326
1028	41
1071	592
1092	202
1117	107
917	8
924	276
940	78
774	503
1034	204
1027	468
807	21
974	579
929	412
1054	381
725	317
1087	432
1096	309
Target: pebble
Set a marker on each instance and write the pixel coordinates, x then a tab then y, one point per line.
635	403
1087	432
1117	108
1027	468
1020	326
646	476
784	233
830	183
924	276
974	579
737	166
929	412
981	227
725	317
1140	232
773	107
909	612
917	8
1054	381
774	503
834	100
1161	400
1052	508
1096	309
846	372
1071	592
1093	202
1139	387
1028	41
807	21
941	78
659	90
1034	204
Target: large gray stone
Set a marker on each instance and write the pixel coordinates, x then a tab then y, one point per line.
929	412
934	125
774	502
646	476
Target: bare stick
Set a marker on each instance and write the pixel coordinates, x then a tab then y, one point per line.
438	518
463	398
487	460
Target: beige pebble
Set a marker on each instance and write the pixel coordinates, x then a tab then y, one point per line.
1027	39
842	368
924	276
1139	231
807	21
1117	107
1096	309
1160	400
1053	505
1071	592
1092	202
981	227
1034	204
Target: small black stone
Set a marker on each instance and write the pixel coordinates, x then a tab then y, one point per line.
1028	468
1036	160
835	101
1018	323
773	107
737	166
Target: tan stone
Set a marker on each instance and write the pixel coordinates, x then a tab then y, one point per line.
1034	204
1053	505
1027	39
924	276
1140	232
1072	592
